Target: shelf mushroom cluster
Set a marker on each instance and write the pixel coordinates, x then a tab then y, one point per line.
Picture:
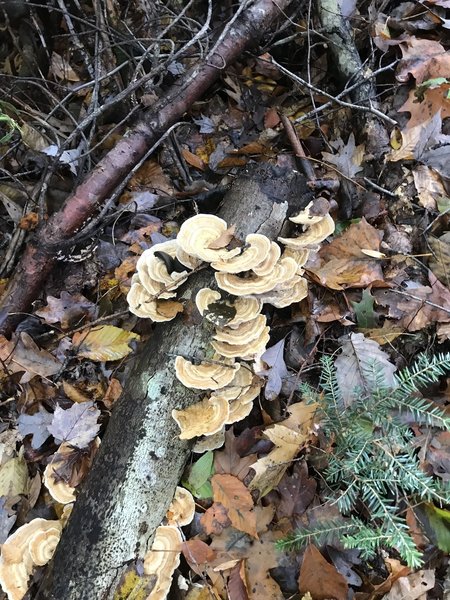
253	274
32	545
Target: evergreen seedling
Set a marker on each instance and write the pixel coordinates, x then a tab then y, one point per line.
374	470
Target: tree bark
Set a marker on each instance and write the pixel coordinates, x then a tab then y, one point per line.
39	257
141	458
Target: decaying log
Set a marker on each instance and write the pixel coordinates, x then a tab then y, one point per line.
141	458
39	257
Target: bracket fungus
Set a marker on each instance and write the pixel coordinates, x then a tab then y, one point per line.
203	418
246	351
313	236
145	306
284	270
182	508
313	212
209	375
59	489
198	233
254	253
163	559
244	333
33	544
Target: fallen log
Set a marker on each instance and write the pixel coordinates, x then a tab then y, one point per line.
141	458
39	257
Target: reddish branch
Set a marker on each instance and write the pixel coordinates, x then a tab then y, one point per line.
39	256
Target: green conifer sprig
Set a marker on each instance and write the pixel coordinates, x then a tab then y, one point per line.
373	467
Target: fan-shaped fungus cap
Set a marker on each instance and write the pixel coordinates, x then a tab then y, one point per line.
59	489
32	544
182	508
205	297
247	308
209	442
255	251
199	232
144	306
268	264
163	559
241	406
241	382
285	295
245	351
152	266
209	375
314	212
241	334
315	234
203	418
300	256
284	270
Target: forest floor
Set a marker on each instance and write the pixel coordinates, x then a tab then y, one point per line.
341	464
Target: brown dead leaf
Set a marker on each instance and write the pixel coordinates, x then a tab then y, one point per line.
427	105
229	461
414	586
232	493
288	437
112	393
61	69
73	393
410	306
329	584
429	186
237	585
224	239
423	59
342	264
440	262
69	310
215	519
296	491
197	554
29	222
23	354
151	177
193	160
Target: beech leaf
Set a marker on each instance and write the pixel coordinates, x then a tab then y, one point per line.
76	425
104	343
356	365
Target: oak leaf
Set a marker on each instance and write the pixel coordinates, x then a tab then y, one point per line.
23	354
67	310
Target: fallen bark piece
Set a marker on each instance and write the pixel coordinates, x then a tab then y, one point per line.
141	458
40	255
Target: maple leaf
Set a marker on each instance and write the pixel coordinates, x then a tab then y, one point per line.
423	108
104	343
276	371
355	366
76	425
67	309
235	497
36	425
230	461
348	158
